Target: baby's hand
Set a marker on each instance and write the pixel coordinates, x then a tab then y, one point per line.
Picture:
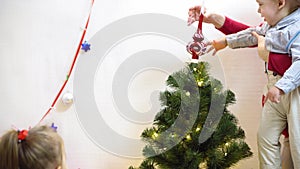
217	45
274	94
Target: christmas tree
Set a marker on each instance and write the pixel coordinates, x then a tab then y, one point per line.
194	128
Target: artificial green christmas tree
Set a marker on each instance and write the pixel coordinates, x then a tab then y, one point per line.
194	128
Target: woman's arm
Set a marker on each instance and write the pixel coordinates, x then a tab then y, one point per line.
231	26
221	22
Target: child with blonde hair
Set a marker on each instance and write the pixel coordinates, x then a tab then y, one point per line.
41	147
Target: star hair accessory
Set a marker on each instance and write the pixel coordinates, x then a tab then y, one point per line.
22	135
54	127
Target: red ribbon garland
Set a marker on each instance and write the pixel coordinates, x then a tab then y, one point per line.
72	66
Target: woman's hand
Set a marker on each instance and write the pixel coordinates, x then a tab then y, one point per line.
263	53
194	14
213	18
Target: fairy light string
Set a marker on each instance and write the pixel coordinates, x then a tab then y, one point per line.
72	65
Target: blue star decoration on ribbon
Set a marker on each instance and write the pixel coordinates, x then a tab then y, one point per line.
85	46
54	127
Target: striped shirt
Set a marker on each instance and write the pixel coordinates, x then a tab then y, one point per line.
283	38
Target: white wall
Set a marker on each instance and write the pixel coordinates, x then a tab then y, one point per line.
38	42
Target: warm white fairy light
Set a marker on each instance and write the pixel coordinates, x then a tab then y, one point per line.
188	137
154	135
187	93
200	83
203	165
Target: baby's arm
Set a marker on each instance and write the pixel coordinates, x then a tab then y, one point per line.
245	38
241	39
291	78
289	81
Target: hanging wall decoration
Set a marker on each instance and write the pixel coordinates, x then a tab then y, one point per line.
86	47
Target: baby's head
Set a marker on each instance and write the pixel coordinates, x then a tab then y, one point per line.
274	10
40	148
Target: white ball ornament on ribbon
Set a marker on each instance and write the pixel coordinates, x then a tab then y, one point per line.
67	98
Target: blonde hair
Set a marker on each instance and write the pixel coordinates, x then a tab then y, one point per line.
42	148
